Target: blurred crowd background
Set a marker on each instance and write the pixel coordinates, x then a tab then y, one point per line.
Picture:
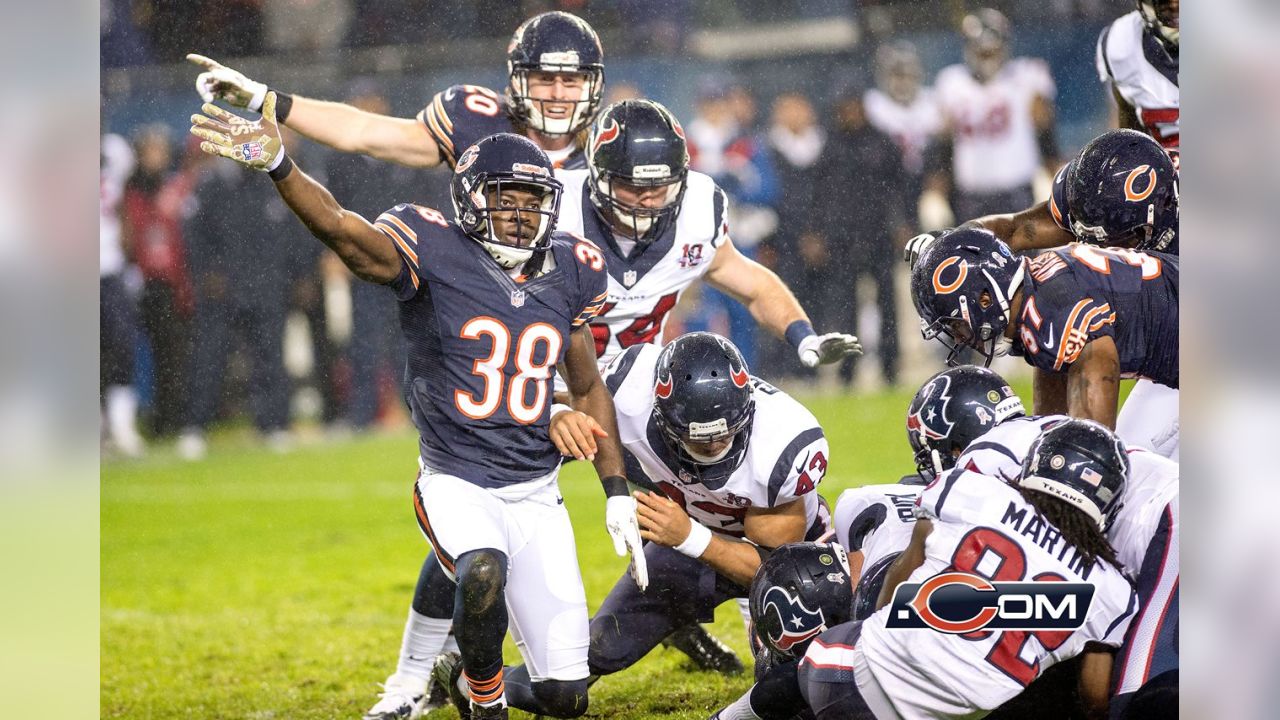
817	117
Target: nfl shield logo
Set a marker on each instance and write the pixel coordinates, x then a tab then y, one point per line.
517	298
629	278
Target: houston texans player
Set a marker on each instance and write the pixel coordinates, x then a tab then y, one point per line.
491	303
1138	58
1082	316
556	81
736	463
661	227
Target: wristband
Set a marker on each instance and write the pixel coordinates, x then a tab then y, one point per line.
282	169
284	103
798	331
557	408
615	485
697	542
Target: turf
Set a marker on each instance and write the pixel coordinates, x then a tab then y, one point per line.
255	585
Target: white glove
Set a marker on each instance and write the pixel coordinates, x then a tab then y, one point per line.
221	82
620	519
818	350
917	246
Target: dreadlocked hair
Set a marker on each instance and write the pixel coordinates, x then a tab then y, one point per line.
1078	530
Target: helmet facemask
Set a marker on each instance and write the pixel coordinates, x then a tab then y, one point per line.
973	326
532	110
641	224
1162	17
511	230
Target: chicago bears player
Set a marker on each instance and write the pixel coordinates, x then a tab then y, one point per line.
1120	191
556	80
736	462
1137	58
1001	119
490	305
1048	527
661	227
1082	316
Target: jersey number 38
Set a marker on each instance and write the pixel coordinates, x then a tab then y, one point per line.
529	370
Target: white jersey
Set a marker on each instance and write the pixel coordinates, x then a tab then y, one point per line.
983	526
786	454
644	289
993	132
876	520
999	452
1132	61
117	165
911	126
1152	486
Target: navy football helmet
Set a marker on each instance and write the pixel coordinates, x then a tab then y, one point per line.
986	41
641	144
962	286
484	171
951	410
1122	191
1161	18
703	394
554	42
1081	463
800	591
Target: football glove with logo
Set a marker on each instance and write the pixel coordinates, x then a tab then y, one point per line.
219	82
818	350
255	144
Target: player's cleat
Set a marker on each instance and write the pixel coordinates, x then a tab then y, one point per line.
401	698
705	649
446	673
491	712
437	695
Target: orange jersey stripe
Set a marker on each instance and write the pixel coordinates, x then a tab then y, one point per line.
426	528
1064	342
408	252
409	233
441	114
437	129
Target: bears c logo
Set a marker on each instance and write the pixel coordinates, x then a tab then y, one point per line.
962	272
1139	195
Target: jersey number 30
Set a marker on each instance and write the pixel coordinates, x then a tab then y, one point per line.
528	370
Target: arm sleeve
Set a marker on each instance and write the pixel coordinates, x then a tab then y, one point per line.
403	229
800	467
1058	197
1100	57
594	290
460	116
720	214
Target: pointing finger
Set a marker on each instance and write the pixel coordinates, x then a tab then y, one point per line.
202	61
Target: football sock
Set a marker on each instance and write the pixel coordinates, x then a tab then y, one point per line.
434	594
423	640
486	688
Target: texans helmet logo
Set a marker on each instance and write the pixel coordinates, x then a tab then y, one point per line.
608	133
740	377
931	418
663	388
797	623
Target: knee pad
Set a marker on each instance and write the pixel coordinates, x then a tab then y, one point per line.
482	577
562	698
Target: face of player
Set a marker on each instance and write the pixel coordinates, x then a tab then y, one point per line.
710	451
516	219
557	91
642	198
902	83
1167	11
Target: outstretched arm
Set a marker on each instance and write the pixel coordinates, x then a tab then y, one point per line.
256	144
1030	229
340	126
774	307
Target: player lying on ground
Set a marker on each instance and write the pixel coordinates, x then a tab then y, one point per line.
863	669
1082	316
490	304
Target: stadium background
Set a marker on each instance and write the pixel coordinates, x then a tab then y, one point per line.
257	583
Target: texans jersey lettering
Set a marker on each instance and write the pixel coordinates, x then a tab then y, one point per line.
786	455
1131	59
460	116
645	287
995	134
483	347
983	526
1079	293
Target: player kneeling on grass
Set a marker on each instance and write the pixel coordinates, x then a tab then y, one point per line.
737	462
1050	527
490	303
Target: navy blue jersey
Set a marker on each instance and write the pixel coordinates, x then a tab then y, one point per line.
1062	215
1079	293
460	116
483	347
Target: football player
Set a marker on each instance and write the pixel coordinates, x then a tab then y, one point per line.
1001	118
661	227
1067	490
736	463
1138	59
904	109
555	76
1082	316
491	302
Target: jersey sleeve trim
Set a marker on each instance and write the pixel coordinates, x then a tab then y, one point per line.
620	368
440	126
1133	606
592	309
1102	54
948	482
392	228
867	521
988	445
718	207
1082	321
782	468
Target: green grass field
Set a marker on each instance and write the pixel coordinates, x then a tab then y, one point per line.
255	585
